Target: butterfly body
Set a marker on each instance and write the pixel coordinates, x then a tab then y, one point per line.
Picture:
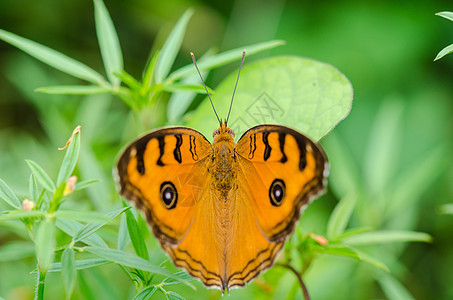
223	211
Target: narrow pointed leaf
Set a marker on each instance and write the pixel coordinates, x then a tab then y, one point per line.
33	188
371	260
41	176
108	42
8	195
146	293
73	90
340	216
53	58
445	51
70	159
446	14
393	289
82	216
80	264
123	235
136	236
180	102
223	59
69	272
132	261
171	47
387	236
72	227
84	184
19	214
91	228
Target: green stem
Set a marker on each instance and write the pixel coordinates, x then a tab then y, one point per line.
39	294
299	278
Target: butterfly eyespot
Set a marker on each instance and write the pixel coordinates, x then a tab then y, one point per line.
168	195
277	192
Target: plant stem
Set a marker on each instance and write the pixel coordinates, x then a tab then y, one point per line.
39	293
299	278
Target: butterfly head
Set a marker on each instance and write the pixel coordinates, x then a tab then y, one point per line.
223	133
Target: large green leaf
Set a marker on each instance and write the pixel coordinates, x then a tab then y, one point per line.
288	90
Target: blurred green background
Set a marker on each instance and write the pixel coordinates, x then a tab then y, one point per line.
395	148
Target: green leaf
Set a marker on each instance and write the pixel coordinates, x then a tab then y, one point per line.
91	228
80	264
72	227
179	102
180	87
340	216
73	90
82	216
223	59
354	231
146	293
148	74
443	52
371	260
302	93
53	58
33	188
446	209
446	14
123	235
45	244
70	159
129	80
8	195
416	178
338	250
41	176
381	157
136	236
19	214
171	47
386	236
108	41
16	250
173	295
84	184
182	274
392	288
69	272
132	261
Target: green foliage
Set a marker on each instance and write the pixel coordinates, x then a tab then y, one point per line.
381	170
449	49
302	93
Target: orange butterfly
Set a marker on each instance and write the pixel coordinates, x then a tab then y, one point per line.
223	211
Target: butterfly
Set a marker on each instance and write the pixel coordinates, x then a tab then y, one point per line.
223	211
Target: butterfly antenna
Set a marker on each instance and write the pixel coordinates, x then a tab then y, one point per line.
209	96
235	86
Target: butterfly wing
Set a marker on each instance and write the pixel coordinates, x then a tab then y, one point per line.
280	171
279	160
162	172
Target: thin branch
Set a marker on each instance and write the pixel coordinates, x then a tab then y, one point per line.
299	278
